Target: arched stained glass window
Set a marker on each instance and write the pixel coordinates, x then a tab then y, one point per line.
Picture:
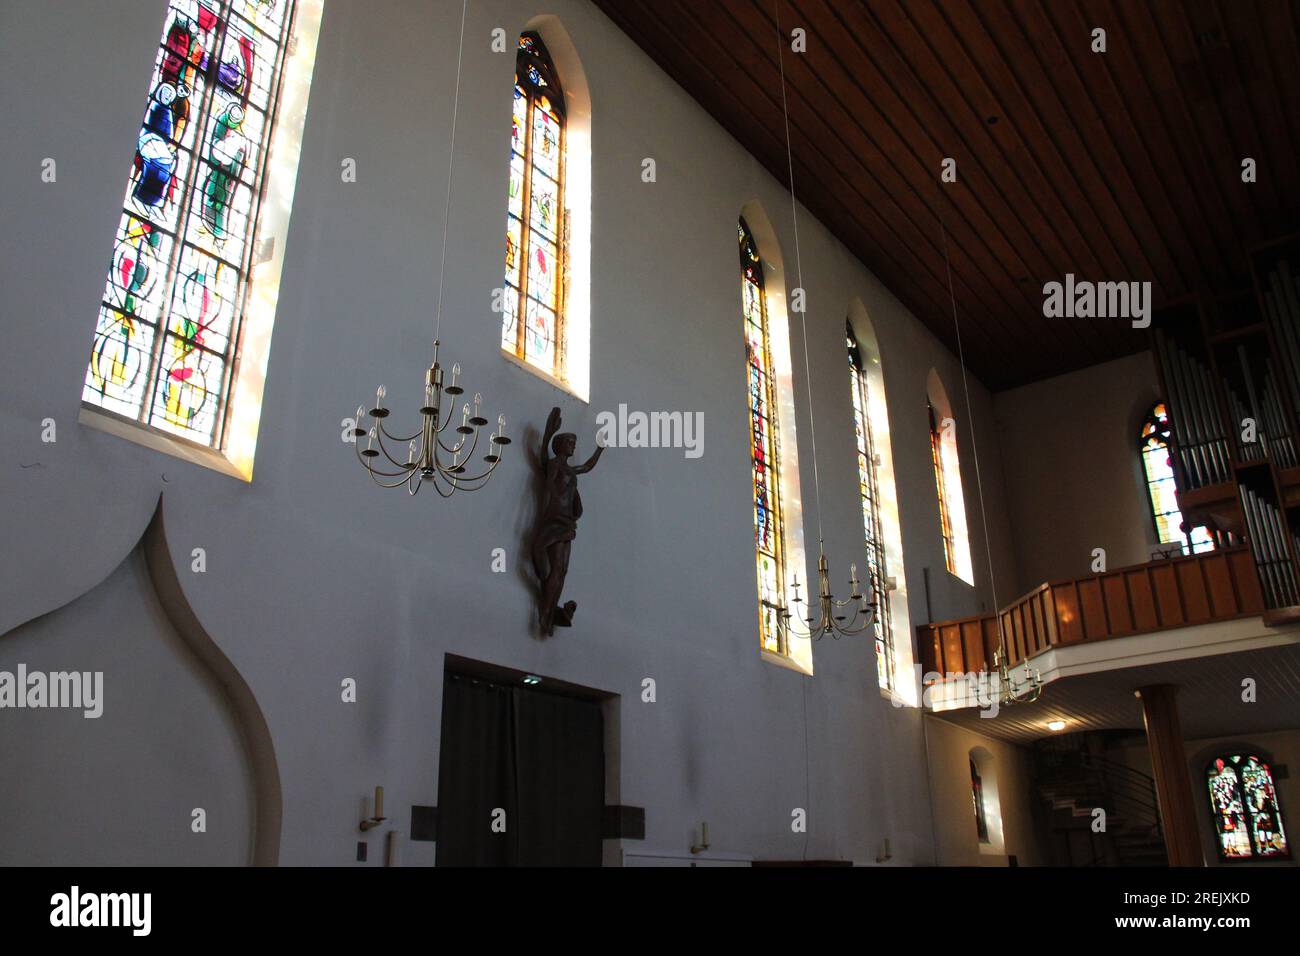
977	799
168	340
873	528
536	226
941	485
1244	804
764	447
1153	444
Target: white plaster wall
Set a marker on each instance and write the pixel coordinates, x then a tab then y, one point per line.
1012	774
1073	478
120	789
313	575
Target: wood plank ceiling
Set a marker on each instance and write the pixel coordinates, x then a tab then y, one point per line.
1115	166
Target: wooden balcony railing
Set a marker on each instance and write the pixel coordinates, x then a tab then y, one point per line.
1179	592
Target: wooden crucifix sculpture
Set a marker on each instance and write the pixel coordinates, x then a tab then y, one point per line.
557	521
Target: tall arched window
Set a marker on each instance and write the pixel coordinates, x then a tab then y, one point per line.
1153	445
764	447
947	479
872	524
977	799
533	310
184	324
1243	802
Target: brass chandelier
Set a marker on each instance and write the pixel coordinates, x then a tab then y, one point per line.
830	617
430	459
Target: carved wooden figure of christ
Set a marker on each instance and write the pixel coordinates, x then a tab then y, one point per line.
557	521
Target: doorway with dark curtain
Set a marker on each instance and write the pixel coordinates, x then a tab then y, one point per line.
537	756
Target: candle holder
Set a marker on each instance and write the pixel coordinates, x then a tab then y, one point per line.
372	822
704	839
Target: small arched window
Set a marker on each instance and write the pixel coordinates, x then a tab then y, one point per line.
1157	469
764	447
977	798
533	306
1244	805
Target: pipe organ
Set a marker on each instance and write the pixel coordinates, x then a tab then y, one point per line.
1230	374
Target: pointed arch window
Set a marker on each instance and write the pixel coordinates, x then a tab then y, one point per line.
868	459
1157	469
1243	801
764	447
173	337
537	229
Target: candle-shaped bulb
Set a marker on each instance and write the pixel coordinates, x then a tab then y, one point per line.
455	372
361	413
371	439
410	452
464	415
478	398
853	572
379	396
501	424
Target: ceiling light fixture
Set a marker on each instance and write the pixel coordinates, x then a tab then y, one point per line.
428	457
829	617
1055	725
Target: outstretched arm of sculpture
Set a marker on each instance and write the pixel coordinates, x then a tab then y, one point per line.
552	426
590	463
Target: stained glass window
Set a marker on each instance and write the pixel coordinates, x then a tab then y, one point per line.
977	799
167	339
873	529
536	228
764	447
1161	487
945	517
1243	802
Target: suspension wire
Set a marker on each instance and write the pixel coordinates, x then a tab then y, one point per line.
451	165
970	416
803	314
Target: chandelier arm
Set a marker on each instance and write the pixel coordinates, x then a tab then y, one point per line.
385	433
366	464
461	443
395	484
463	481
406	465
437	486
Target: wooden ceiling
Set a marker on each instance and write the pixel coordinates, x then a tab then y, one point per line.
1115	166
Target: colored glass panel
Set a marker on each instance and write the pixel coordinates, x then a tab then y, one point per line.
1243	801
869	491
764	448
532	307
945	518
1162	488
185	243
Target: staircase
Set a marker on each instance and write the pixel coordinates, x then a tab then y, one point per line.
1073	783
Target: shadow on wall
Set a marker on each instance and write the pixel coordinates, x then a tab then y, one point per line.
178	731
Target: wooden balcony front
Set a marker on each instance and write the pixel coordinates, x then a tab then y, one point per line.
1178	592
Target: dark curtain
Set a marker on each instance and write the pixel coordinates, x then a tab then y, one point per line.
476	774
538	756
